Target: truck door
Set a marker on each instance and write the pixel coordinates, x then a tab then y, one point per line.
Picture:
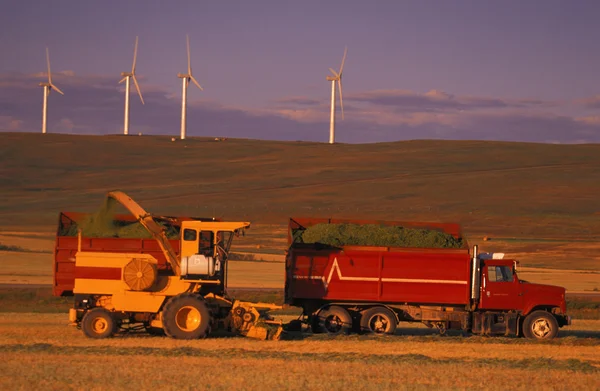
500	289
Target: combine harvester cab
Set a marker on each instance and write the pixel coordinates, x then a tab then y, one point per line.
345	288
187	300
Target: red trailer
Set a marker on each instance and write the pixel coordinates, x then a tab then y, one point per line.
66	245
372	289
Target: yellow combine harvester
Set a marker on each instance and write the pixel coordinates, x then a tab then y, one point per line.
113	290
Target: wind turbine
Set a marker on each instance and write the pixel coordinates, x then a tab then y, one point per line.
337	77
126	78
186	80
47	88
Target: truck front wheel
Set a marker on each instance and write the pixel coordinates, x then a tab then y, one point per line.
378	320
98	323
540	325
186	316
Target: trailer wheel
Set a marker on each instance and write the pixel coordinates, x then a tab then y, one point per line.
186	316
98	323
334	320
378	320
540	325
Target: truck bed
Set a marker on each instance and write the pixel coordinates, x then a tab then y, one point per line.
377	274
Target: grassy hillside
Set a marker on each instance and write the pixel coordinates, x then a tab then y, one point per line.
492	188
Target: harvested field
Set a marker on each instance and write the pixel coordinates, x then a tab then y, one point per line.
56	355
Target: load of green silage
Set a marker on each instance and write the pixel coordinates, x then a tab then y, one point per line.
339	235
102	224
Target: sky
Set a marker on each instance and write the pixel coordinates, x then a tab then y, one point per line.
462	69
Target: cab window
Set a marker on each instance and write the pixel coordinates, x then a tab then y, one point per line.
206	243
189	234
500	274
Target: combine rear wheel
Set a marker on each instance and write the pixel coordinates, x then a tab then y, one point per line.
378	320
540	325
186	316
334	320
98	323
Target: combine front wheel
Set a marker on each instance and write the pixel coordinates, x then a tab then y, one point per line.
186	316
98	323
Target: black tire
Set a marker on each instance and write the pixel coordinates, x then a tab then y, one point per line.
378	320
186	316
314	325
540	325
334	320
98	323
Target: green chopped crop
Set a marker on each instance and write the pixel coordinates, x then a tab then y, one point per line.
102	224
338	235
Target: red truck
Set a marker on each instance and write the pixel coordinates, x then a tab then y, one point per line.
372	289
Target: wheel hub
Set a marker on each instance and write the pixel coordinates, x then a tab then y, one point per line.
188	318
541	328
99	325
333	324
379	324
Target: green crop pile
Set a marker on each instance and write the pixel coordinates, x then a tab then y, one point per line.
338	235
102	224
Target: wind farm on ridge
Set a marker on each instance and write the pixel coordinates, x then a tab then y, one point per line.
336	80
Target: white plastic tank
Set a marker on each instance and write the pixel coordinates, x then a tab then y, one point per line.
198	264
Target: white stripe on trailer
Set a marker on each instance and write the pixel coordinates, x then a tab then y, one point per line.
336	267
416	280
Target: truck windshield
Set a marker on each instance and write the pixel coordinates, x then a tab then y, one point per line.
500	274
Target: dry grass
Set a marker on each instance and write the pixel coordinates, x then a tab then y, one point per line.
58	356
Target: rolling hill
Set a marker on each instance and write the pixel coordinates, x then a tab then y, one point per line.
493	188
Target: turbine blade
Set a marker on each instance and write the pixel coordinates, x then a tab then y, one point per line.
196	82
56	88
188	52
123	79
341	99
334	72
48	62
134	55
137	87
343	60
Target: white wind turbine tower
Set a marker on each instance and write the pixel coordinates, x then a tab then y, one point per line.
47	88
126	78
186	80
337	77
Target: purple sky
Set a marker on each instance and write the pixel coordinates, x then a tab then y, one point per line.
492	70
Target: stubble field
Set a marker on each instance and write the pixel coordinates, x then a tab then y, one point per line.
43	351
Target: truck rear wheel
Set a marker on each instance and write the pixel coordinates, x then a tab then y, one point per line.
98	323
186	316
334	320
540	325
378	320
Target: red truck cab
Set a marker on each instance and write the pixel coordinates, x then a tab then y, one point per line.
501	289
